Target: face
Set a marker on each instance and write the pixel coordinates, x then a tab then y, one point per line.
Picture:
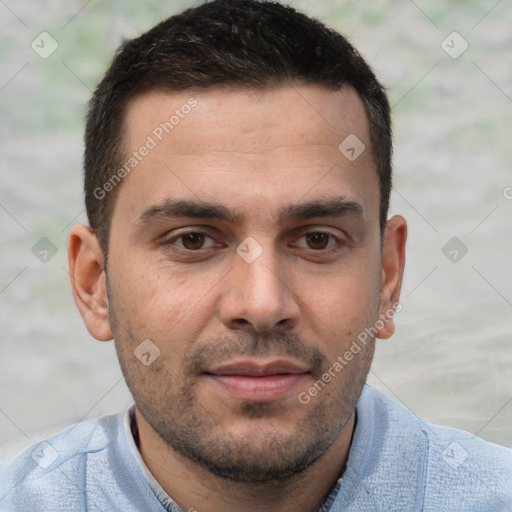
245	246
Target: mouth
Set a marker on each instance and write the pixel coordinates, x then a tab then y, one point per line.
258	380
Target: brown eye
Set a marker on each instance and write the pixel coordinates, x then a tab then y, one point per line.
193	241
317	241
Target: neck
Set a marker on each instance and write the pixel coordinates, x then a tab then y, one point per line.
194	488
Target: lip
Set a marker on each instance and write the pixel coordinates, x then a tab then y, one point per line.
258	380
259	367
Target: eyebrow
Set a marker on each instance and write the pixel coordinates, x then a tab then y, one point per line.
171	208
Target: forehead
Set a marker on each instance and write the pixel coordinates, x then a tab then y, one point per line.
291	115
273	146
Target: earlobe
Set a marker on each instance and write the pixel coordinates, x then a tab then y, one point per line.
88	281
393	263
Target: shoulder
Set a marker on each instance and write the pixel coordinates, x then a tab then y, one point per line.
456	470
56	467
464	469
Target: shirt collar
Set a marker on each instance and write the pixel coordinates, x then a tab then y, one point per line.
386	468
132	437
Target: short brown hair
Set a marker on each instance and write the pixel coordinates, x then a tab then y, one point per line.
243	43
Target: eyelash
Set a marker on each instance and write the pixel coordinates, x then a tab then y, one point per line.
338	242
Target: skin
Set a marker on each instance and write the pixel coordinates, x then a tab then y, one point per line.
304	299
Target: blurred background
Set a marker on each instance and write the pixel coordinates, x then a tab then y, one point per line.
447	68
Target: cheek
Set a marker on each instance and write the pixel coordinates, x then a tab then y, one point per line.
350	289
342	304
160	302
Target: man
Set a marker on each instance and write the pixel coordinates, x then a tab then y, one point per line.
237	181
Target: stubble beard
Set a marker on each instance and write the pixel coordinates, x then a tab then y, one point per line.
169	404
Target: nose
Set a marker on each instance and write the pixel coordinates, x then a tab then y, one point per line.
258	295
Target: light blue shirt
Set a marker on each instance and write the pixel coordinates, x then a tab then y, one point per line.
397	463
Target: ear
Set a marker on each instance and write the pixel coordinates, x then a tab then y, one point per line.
88	281
393	262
